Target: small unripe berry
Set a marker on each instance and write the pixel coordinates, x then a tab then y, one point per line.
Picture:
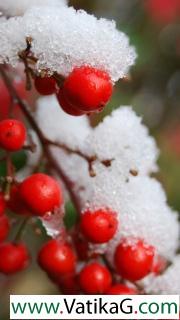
121	289
13	258
67	107
134	260
12	134
45	86
95	278
2	204
41	194
4	227
99	226
88	88
57	258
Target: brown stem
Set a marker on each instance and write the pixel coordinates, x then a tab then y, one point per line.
51	160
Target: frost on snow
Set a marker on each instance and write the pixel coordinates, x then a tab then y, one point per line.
19	7
64	38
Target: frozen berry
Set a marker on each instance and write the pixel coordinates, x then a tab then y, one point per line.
88	88
12	134
13	258
95	278
121	289
2	204
134	260
99	226
4	227
67	107
57	258
45	86
41	193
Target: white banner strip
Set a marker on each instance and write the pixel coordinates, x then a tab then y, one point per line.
94	307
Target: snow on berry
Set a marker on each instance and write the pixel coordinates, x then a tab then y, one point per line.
17	8
168	282
63	38
87	89
141	207
134	261
99	226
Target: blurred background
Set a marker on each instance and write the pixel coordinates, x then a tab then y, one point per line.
152	88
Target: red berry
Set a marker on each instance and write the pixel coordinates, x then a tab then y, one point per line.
68	284
2	204
121	289
15	203
67	107
88	88
57	258
95	278
6	101
99	226
163	11
45	86
134	261
13	258
4	227
12	134
41	193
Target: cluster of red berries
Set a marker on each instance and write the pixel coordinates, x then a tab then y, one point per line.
85	90
59	261
36	195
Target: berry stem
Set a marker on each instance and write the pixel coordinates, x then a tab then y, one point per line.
10	167
21	230
52	162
